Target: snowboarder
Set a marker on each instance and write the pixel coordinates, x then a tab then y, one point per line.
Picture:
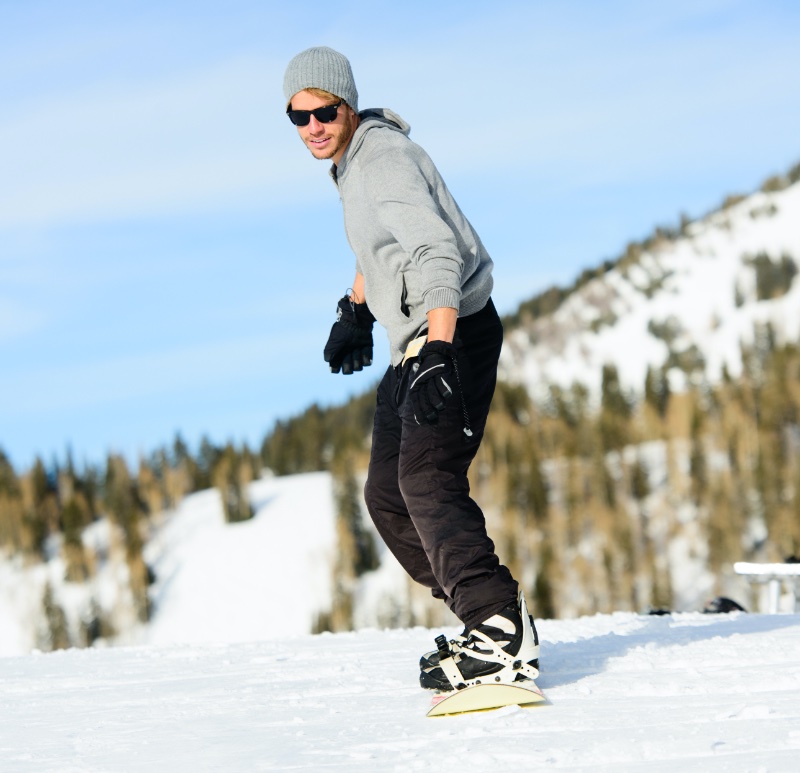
424	275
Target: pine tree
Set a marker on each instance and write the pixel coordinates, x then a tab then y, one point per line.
41	504
615	411
356	553
73	519
363	554
232	475
126	509
56	635
13	531
656	390
208	458
543	594
698	468
183	461
640	482
150	487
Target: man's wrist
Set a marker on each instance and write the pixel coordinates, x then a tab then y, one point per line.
442	324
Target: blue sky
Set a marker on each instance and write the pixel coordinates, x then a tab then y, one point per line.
171	255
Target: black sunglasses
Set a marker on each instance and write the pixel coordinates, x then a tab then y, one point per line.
324	114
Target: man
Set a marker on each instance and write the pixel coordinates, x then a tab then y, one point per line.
424	274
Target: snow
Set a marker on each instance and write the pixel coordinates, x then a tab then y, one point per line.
215	582
691	692
702	281
269	576
14	637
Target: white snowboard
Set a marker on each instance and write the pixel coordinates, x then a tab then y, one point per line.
483	697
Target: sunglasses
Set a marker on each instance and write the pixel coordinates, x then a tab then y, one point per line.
324	114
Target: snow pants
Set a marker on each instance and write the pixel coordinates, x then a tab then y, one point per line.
417	491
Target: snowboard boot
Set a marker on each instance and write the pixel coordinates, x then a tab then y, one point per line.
504	648
431	659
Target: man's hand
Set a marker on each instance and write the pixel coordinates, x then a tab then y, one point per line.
349	346
434	381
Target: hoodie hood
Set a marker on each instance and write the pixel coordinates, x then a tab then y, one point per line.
381	116
371	118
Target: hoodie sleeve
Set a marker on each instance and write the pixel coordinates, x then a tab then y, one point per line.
405	190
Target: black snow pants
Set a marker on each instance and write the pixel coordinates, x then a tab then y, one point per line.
417	491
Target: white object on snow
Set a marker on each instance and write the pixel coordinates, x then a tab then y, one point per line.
774	575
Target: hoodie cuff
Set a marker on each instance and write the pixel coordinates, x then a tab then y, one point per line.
442	297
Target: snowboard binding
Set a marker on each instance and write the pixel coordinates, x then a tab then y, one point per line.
502	650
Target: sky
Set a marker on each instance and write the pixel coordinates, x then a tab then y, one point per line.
171	255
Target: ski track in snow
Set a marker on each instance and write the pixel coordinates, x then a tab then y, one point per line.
690	692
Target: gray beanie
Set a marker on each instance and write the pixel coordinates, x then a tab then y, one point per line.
321	68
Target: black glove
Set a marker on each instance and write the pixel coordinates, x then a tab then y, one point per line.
434	381
349	345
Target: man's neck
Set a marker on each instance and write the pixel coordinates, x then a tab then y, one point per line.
337	159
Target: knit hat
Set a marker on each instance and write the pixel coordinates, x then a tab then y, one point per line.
321	68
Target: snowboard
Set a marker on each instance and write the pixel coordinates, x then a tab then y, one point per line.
484	697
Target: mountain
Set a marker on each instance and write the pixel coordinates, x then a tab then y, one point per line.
627	693
686	301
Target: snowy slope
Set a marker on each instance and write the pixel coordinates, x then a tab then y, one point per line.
215	582
701	287
627	693
269	576
218	583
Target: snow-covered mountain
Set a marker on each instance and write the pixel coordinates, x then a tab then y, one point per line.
690	301
214	582
629	693
267	577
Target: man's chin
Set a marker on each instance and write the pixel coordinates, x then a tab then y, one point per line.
322	154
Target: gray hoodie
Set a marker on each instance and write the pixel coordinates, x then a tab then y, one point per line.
412	243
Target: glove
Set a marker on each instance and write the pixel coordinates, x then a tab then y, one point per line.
434	382
349	345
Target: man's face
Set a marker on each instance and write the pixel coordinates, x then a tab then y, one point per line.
325	140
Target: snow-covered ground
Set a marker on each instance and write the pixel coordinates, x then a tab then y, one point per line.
627	693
